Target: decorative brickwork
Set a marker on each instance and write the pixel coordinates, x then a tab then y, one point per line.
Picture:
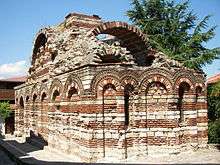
109	98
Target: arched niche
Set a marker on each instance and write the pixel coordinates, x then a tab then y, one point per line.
198	92
109	105
128	94
55	95
27	99
72	92
183	89
43	97
21	102
34	98
156	99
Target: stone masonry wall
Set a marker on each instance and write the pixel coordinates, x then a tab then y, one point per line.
111	98
90	122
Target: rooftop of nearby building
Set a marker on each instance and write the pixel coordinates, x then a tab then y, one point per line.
214	79
14	79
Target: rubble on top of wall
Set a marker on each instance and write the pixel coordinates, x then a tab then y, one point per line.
69	47
161	60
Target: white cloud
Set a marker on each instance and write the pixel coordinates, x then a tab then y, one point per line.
13	69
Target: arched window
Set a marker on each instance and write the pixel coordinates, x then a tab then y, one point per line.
27	99
127	93
72	91
55	96
34	98
198	92
53	56
109	92
39	44
183	89
21	103
43	97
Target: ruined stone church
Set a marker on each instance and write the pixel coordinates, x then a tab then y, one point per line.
98	90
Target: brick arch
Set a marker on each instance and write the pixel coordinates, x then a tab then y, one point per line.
35	91
43	96
73	81
149	79
132	38
161	71
184	75
21	101
101	76
105	80
43	89
41	38
27	99
199	84
55	85
108	79
20	93
129	79
27	94
185	79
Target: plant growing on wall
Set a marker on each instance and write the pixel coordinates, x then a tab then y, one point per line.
5	110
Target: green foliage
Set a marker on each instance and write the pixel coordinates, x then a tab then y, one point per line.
173	29
214	132
214	89
214	101
5	110
214	113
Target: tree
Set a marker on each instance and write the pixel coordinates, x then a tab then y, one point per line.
174	30
5	110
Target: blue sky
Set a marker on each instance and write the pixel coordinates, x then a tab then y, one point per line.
21	20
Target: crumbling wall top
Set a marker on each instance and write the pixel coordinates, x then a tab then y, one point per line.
75	43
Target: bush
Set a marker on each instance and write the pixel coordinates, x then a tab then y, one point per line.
214	113
5	110
214	132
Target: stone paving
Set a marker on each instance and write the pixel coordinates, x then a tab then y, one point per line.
25	150
34	155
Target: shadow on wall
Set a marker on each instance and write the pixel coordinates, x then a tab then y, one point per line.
18	152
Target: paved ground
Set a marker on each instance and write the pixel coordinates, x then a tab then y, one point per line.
4	159
45	157
202	156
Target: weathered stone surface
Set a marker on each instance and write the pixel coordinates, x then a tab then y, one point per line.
113	98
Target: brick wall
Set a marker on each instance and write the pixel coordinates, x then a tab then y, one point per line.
92	122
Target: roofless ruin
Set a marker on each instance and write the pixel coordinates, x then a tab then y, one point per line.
96	90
